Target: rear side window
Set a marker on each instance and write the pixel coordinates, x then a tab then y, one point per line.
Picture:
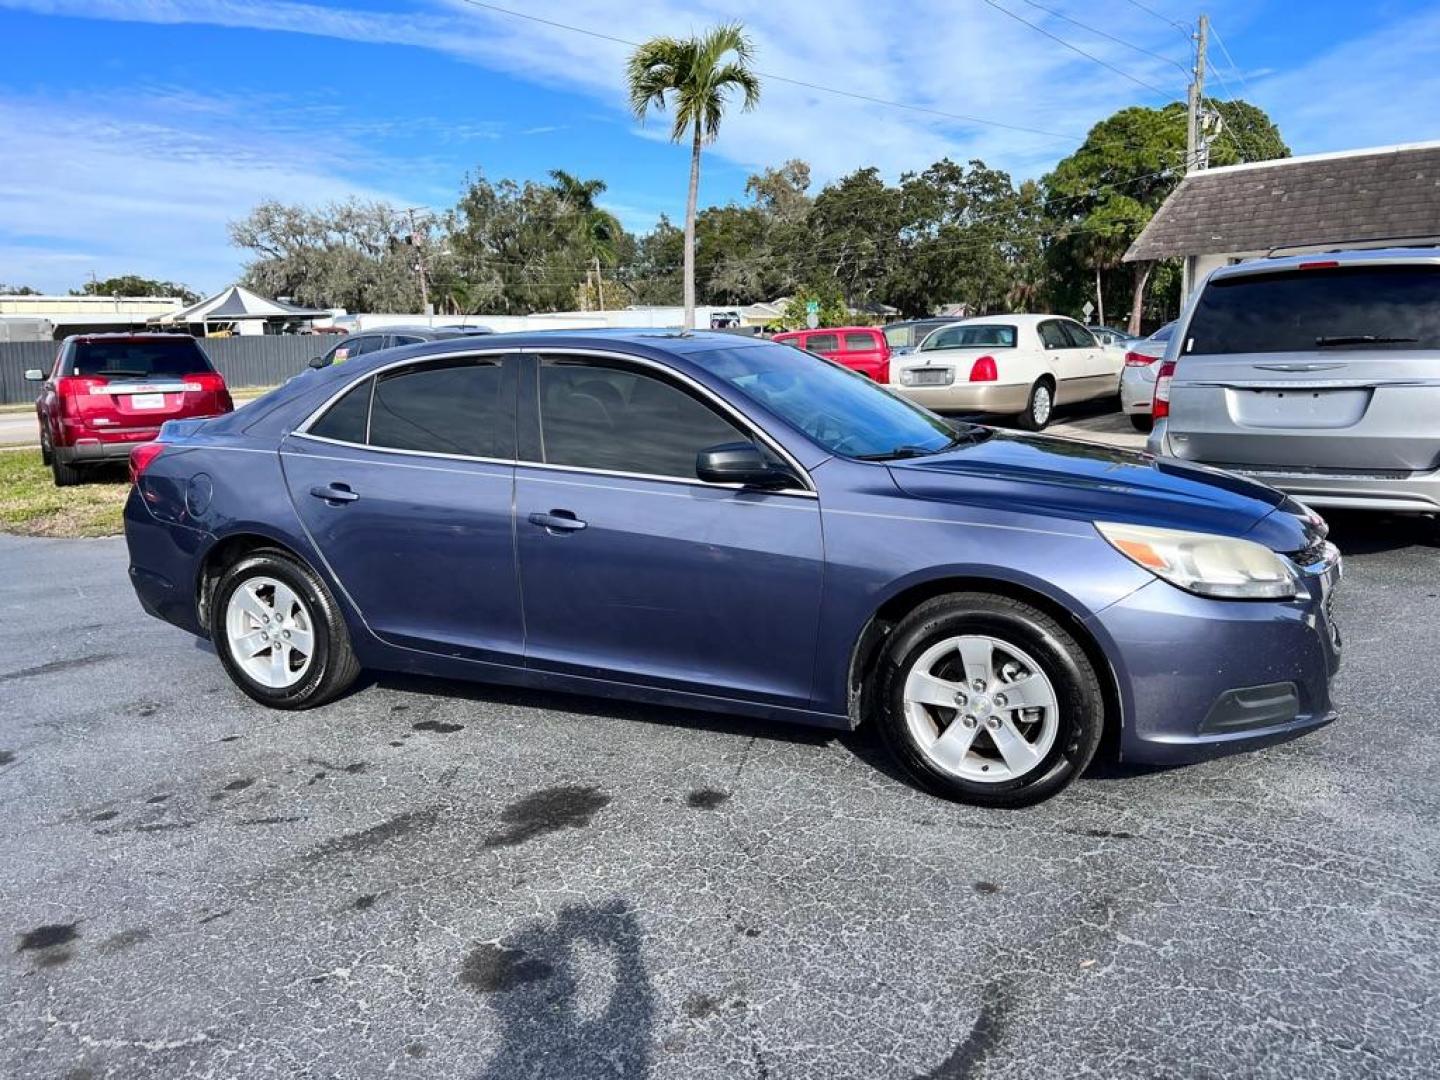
595	415
139	358
443	407
856	341
1354	307
348	420
823	343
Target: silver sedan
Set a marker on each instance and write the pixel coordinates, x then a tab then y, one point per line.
1137	378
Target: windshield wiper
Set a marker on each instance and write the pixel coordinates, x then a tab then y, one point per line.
910	450
1361	339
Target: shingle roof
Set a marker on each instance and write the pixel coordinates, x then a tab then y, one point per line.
1391	193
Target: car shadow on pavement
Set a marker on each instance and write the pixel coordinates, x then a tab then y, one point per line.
574	998
1357	533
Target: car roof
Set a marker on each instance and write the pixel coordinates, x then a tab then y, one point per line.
128	335
432	331
1417	256
829	330
1020	319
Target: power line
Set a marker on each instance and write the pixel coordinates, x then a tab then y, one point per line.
1244	82
1163	18
775	77
1109	37
1076	49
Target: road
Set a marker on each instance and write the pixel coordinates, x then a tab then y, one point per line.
434	879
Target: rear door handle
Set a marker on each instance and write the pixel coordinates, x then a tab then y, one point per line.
558	521
334	493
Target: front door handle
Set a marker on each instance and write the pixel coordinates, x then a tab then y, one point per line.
558	521
334	493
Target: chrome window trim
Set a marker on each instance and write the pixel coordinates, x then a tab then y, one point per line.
302	431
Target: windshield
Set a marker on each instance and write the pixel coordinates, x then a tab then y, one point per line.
844	412
140	357
1343	307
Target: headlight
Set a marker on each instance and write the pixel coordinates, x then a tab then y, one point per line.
1203	563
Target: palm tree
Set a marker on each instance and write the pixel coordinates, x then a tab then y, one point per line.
696	75
598	230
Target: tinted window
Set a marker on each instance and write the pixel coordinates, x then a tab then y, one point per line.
140	358
858	342
348	418
841	410
1379	307
406	339
1077	335
444	407
971	337
356	346
823	343
603	416
1052	336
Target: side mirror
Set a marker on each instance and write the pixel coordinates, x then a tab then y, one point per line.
740	463
317	362
34	374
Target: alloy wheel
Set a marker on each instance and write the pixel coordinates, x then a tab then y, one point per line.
980	709
269	632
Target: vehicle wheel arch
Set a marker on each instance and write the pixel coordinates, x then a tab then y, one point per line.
230	549
906	596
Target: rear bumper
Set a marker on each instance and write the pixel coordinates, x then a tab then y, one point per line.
1137	391
969	397
1391	491
85	451
1204	678
164	562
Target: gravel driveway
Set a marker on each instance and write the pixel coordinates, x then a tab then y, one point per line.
437	880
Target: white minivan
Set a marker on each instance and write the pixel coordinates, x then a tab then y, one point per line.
1019	365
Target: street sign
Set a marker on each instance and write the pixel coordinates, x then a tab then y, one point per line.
1088	309
812	313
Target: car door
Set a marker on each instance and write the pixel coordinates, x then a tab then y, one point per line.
1098	366
1061	360
632	568
405	485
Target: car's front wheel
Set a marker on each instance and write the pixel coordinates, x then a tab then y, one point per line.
279	633
1039	408
988	700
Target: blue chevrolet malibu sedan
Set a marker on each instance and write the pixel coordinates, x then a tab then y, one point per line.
736	525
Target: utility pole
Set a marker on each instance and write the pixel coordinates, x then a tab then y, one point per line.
599	283
420	259
1197	153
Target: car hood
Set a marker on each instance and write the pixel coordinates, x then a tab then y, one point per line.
1036	474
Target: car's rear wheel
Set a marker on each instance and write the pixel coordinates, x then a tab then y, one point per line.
1040	406
1142	421
279	633
989	701
65	474
46	454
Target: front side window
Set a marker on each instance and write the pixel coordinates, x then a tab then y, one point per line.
450	406
602	415
139	358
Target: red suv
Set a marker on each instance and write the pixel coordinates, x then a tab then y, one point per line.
110	392
861	348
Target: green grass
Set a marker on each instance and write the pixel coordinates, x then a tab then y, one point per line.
31	504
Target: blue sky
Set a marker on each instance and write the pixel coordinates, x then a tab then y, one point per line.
131	131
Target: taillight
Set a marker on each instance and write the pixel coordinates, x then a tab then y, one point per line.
211	382
142	457
1160	408
75	385
983	370
1135	359
1327	264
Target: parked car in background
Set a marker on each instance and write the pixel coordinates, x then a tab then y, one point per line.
860	348
713	522
107	393
391	337
1019	365
904	337
1137	377
1112	338
1317	374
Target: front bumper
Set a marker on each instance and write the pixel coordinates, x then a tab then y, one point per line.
1394	491
968	397
1203	678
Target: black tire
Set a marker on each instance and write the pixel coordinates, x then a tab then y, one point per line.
333	667
1142	422
66	475
1035	417
1080	711
46	454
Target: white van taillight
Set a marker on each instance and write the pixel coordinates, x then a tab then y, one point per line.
1135	359
1161	406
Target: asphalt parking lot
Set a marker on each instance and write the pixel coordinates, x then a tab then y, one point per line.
435	879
